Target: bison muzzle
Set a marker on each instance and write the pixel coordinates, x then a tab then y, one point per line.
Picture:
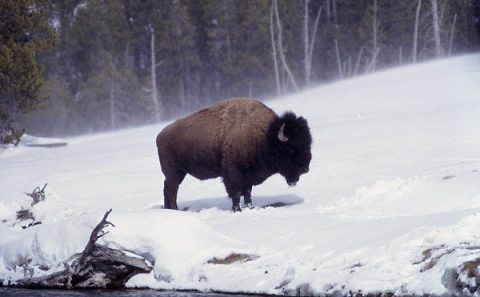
241	140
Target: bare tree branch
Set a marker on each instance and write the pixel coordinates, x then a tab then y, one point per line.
94	236
37	194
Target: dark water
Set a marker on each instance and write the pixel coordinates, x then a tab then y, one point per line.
9	292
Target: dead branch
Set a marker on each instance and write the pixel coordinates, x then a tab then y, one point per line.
96	234
37	194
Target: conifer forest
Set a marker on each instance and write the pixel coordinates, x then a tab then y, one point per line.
69	67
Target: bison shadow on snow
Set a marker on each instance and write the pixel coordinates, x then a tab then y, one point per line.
224	203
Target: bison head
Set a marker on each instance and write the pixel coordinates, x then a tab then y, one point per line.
291	140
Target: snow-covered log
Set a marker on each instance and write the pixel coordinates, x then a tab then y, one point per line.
95	267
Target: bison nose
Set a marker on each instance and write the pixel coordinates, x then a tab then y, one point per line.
306	169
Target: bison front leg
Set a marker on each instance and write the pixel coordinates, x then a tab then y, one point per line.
247	196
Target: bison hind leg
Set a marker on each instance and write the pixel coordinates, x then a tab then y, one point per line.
233	186
170	189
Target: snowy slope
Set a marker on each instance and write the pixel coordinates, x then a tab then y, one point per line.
391	202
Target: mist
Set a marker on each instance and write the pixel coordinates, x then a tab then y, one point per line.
121	63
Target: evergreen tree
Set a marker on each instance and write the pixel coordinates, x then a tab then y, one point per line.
24	31
102	59
99	75
247	67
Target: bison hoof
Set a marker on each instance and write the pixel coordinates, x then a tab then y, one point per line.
236	208
249	205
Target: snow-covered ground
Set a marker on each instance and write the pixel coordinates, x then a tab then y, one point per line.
391	202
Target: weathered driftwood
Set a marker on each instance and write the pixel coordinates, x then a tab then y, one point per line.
95	267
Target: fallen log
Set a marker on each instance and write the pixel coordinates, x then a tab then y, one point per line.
95	267
48	145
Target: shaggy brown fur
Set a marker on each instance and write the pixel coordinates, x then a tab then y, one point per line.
238	140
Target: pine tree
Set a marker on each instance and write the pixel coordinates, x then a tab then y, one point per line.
102	63
24	31
99	75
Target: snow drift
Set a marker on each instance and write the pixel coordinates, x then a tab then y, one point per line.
391	203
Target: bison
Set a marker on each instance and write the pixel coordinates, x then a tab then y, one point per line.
241	140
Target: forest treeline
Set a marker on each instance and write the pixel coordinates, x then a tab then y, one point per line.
120	63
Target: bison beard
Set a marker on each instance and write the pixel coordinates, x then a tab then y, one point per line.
241	140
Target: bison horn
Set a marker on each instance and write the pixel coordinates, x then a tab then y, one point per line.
281	135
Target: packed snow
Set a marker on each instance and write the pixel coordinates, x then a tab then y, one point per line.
391	202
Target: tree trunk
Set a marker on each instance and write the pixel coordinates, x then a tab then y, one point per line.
274	54
280	48
339	60
306	42
112	106
182	94
452	33
400	56
415	32
334	8
327	4
309	44
436	29
156	103
357	64
375	45
314	38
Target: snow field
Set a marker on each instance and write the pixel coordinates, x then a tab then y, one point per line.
390	203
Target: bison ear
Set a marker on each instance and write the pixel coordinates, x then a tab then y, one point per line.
281	135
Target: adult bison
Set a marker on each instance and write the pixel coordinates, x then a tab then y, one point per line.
241	140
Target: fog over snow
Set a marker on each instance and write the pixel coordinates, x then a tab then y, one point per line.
391	202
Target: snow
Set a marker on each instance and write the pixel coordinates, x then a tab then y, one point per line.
395	177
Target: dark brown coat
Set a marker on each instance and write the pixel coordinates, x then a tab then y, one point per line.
237	139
